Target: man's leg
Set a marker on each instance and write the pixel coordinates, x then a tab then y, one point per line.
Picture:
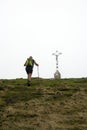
29	78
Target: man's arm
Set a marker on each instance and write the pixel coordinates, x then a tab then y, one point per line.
26	63
36	63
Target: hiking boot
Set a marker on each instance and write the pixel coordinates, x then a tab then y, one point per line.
28	83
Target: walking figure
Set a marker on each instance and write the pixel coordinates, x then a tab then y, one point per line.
29	68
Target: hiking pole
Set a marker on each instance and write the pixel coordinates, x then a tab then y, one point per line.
38	75
38	71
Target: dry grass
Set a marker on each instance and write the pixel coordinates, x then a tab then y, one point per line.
50	105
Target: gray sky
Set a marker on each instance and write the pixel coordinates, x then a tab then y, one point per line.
39	28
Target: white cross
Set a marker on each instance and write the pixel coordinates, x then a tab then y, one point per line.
57	55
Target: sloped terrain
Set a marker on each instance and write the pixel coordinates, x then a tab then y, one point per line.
47	104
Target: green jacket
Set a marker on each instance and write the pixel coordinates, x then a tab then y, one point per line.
29	62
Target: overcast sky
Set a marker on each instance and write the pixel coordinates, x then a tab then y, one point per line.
39	28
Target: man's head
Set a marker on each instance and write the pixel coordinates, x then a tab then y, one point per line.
30	57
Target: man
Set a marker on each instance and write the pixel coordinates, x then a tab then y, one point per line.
29	67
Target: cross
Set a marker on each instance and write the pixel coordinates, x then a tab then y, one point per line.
57	55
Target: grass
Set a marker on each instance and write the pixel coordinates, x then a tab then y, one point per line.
46	104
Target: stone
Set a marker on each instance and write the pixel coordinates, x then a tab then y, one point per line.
57	75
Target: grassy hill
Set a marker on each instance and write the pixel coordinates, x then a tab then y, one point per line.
48	104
